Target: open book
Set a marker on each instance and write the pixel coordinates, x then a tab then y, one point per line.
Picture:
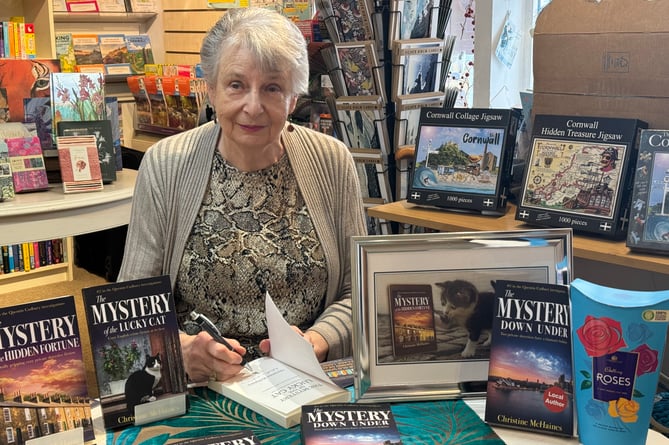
279	385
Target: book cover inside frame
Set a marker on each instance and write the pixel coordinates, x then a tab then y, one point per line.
431	356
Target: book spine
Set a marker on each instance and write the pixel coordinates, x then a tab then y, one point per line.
31	254
42	253
5	259
18	260
25	247
20	256
2	40
49	252
10	259
29	42
36	254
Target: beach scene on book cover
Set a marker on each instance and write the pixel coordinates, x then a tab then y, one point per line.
43	389
136	350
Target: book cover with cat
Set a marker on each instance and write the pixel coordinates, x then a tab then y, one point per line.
530	380
346	423
136	351
412	319
44	389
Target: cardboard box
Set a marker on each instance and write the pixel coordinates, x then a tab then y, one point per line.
607	58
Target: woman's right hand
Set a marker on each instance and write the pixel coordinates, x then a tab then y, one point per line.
206	359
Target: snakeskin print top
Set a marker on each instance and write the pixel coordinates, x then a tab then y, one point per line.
253	234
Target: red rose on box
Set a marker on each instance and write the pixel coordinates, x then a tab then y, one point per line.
647	360
601	336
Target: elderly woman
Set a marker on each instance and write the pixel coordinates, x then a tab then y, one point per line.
249	203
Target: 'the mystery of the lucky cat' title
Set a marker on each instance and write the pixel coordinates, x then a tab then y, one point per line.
136	351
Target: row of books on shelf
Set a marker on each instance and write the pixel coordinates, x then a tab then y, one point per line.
167	104
24	257
17	39
84	6
112	54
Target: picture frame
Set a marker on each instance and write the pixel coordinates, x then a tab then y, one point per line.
379	261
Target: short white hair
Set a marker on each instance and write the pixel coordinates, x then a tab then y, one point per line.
275	42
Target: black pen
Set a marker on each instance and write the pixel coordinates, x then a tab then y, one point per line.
211	328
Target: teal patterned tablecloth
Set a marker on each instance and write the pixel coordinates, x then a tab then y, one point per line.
430	422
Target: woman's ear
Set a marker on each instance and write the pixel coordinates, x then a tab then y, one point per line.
293	103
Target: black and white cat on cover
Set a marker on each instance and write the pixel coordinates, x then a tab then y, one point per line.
139	388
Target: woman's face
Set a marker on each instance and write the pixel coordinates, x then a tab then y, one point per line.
251	106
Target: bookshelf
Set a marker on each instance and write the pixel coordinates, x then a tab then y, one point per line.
48	23
52	214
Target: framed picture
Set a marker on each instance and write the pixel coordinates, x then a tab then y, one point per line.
414	294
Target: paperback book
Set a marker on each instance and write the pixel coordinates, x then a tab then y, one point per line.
26	163
136	351
463	158
649	220
43	373
104	141
37	110
79	164
530	381
412	319
86	49
21	79
417	66
347	424
114	52
243	437
579	174
139	52
65	52
77	97
278	386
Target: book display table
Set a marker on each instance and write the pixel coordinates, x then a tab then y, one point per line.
52	214
431	422
436	422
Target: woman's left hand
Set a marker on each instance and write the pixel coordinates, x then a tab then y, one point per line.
319	344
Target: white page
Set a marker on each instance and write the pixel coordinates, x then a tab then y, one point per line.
288	346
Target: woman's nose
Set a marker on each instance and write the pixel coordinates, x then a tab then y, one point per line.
254	103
